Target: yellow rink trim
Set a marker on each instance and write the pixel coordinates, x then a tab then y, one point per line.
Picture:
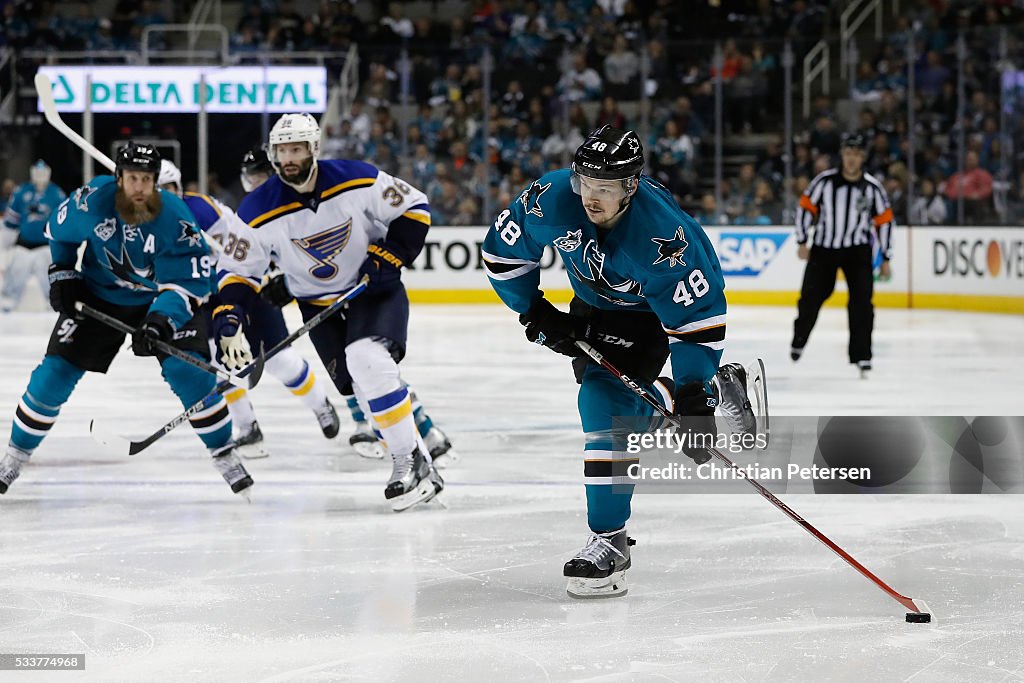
956	302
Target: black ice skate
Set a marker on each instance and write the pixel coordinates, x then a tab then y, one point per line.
440	447
733	403
249	443
365	442
327	416
865	368
10	467
599	570
233	471
413	480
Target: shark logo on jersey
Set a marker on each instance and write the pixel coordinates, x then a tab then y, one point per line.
190	234
532	195
106	229
128	275
598	282
570	241
82	197
323	247
671	249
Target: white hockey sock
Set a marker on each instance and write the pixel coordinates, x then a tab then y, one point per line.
240	407
380	389
294	372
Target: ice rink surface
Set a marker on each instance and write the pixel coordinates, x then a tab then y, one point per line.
155	571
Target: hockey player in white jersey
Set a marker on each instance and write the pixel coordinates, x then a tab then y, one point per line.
266	326
326	224
255	170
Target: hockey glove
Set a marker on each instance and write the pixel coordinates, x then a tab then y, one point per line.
232	349
696	408
275	292
154	327
553	328
383	267
66	288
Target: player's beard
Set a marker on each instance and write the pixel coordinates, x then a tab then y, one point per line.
301	177
134	214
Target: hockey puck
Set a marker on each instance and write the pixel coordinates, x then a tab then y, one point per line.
919	617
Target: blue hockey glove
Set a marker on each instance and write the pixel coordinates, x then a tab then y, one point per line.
66	288
154	327
232	348
383	267
553	328
696	408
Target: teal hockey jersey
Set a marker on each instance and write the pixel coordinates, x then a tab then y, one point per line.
657	258
164	264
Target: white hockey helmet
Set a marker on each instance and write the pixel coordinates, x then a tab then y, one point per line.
295	128
39	174
169	173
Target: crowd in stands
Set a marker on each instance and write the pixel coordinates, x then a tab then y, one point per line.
564	67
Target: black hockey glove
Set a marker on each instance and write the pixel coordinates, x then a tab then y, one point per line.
275	292
696	408
383	266
66	288
553	328
155	327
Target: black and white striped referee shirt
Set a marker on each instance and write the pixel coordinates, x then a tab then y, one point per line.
843	213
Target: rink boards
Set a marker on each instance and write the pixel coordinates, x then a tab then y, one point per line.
949	267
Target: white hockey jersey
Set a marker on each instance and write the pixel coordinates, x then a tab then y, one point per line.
319	240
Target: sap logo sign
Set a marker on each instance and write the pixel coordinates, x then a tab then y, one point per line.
746	254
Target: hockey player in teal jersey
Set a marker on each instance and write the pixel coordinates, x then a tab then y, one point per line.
648	286
24	222
146	263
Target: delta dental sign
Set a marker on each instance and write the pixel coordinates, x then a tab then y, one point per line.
175	89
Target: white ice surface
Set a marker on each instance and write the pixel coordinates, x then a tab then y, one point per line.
150	567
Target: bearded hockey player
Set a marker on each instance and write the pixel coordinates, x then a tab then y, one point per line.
326	224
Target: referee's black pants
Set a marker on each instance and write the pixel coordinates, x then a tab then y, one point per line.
820	281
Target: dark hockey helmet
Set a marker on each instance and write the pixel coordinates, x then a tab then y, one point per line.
137	156
854	140
610	153
257	161
256	168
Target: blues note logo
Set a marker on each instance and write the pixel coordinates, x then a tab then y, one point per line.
323	247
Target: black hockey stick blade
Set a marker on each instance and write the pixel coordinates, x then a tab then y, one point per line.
254	371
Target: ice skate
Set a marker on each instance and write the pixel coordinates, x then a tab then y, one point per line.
249	443
233	471
599	569
733	403
10	467
440	448
413	480
365	442
327	416
865	368
757	392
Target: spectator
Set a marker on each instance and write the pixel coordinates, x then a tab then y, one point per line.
824	137
929	208
610	114
974	184
580	82
709	214
621	69
672	159
359	120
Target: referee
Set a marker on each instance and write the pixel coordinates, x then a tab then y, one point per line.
846	208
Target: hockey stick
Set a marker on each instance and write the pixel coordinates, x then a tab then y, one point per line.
45	90
163	347
120	444
635	386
